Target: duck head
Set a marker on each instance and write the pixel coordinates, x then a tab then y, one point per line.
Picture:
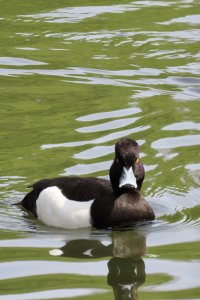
127	171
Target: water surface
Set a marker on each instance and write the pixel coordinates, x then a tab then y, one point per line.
76	77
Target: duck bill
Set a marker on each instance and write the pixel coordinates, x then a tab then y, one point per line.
127	179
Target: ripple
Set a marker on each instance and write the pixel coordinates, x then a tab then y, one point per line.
191	35
180	272
10	180
83	169
106	138
193	167
48	72
150	92
182	126
104	57
16	61
173	200
191	68
194	171
94	36
190	19
106	72
155	38
164	53
31	243
80	75
110	114
13	218
100	151
108	125
55	294
37	267
27	48
176	37
100	81
174	142
95	152
77	14
187	94
182	81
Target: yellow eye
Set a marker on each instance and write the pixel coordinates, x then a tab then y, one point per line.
137	160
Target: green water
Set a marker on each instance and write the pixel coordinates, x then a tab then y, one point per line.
75	76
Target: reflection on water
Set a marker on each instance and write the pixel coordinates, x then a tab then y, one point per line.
126	268
119	258
76	14
74	79
55	294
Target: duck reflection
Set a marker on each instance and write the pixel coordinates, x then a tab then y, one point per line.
126	269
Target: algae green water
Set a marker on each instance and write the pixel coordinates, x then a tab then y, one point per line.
75	76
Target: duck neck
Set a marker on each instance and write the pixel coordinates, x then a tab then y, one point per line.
115	173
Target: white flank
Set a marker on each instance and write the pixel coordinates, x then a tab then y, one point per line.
54	209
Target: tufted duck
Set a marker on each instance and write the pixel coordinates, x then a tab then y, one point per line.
74	202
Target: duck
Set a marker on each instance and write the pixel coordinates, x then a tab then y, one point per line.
73	202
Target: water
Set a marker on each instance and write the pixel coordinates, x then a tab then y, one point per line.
75	77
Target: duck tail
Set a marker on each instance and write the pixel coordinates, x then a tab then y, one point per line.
29	201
